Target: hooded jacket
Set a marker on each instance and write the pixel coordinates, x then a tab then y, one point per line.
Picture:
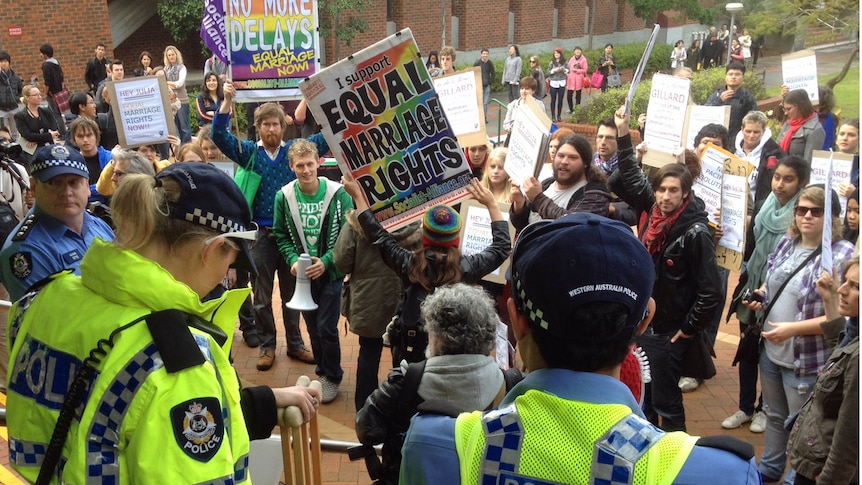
760	179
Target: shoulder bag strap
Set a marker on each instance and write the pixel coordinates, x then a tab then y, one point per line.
772	300
409	396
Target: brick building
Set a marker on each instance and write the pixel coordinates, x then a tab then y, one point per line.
128	27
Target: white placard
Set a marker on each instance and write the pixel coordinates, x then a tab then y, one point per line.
842	165
142	109
227	167
666	112
799	71
700	116
476	234
527	144
733	196
501	347
708	185
460	96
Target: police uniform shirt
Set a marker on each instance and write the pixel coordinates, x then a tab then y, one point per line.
42	245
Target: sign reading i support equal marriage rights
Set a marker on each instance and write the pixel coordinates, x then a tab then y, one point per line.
385	126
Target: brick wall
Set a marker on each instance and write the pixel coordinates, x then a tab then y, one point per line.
375	16
571	18
153	37
534	20
483	23
72	27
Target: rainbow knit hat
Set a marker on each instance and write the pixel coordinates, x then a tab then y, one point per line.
441	226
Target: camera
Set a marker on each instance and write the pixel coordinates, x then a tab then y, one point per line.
9	149
752	296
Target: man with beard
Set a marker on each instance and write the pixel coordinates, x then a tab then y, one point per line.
577	186
268	157
673	227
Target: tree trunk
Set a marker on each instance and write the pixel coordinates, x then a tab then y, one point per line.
840	77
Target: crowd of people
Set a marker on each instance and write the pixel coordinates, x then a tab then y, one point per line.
159	251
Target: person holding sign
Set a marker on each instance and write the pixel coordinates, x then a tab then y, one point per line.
528	87
577	186
740	100
439	262
687	290
801	132
754	144
794	349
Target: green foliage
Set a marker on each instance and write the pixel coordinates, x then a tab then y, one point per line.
650	9
344	17
181	17
601	105
239	110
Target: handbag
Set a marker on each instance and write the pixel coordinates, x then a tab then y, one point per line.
248	181
586	82
614	80
597	79
697	359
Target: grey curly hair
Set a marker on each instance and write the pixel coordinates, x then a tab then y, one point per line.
460	319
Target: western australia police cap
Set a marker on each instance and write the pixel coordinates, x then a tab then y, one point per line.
53	160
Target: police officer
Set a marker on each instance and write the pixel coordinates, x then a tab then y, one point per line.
581	290
57	231
156	397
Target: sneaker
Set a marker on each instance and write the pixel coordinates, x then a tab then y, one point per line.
266	359
251	339
328	391
302	354
736	420
758	423
688	384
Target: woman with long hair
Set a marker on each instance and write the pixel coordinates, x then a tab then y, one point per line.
578	69
694	55
847	141
175	74
801	132
209	99
439	262
512	72
433	64
145	65
495	177
37	125
557	71
830	419
794	349
678	55
770	221
150	360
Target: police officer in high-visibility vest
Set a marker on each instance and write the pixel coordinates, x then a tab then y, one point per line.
580	294
124	367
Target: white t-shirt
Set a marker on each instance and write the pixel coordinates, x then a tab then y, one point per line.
560	197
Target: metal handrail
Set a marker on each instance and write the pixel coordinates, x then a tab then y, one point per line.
501	107
5	304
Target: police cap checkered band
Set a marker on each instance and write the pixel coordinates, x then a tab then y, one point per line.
558	266
219	223
53	160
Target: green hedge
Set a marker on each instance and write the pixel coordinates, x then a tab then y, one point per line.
193	115
601	105
628	56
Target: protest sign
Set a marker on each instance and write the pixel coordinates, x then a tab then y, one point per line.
461	97
213	27
842	165
636	78
272	46
799	70
700	116
666	114
826	235
385	125
708	186
528	142
734	200
142	110
476	234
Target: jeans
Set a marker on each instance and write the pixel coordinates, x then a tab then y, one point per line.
486	98
514	91
557	101
783	395
367	366
663	397
184	124
269	261
748	388
323	327
7	119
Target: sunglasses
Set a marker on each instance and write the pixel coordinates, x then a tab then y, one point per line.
815	211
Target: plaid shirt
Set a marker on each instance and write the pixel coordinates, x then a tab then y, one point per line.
810	352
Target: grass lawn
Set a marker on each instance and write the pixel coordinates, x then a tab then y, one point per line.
846	92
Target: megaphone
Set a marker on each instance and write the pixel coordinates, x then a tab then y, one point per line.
302	299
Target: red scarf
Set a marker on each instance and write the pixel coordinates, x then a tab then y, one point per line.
659	226
795	124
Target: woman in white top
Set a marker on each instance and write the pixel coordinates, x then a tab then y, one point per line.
679	55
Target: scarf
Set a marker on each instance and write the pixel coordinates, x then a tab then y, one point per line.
659	227
607	167
851	331
795	125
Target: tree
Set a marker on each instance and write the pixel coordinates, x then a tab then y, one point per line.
650	9
181	17
342	17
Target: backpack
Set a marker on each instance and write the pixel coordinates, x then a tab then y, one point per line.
8	218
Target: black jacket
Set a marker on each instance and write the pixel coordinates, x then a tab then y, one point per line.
763	185
593	197
10	90
687	289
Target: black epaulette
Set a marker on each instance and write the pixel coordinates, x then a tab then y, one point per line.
173	337
439	407
24	230
730	444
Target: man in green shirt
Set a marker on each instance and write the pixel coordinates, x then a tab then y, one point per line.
309	214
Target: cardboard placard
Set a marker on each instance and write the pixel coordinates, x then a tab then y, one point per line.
528	143
842	165
666	115
700	116
461	96
142	110
476	234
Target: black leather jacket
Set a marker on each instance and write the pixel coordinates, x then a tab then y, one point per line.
687	290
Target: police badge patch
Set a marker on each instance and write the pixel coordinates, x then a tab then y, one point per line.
22	264
198	427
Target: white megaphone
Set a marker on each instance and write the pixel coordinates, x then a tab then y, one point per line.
302	299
